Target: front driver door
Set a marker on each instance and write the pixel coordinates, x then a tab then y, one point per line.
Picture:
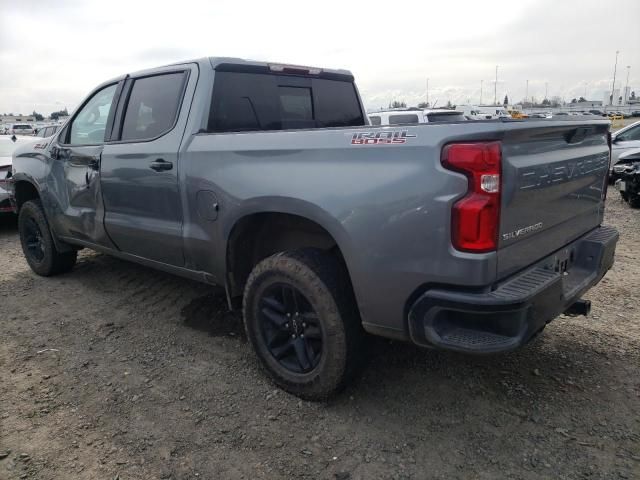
74	182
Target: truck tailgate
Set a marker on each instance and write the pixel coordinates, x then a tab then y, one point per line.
553	191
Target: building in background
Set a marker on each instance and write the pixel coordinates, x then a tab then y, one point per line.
17	119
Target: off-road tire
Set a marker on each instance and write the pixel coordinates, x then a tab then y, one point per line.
322	279
51	262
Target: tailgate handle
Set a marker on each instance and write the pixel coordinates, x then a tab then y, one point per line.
577	134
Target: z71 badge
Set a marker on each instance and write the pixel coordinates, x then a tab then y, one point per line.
385	137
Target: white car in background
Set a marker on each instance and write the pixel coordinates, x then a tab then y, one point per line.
46	131
7	146
20	129
404	116
622	141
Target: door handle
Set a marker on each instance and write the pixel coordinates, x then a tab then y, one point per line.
93	164
160	165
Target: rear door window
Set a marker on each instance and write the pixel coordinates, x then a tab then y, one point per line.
375	120
404	118
153	106
255	101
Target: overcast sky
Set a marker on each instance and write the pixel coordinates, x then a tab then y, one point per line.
53	52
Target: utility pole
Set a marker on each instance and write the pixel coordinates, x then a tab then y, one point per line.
526	95
615	68
546	90
495	88
585	90
626	88
427	92
481	82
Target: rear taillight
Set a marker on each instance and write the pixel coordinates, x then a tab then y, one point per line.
475	218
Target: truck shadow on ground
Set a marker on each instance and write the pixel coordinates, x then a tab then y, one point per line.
395	373
210	313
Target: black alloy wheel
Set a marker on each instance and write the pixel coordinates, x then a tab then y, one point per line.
33	240
38	244
291	328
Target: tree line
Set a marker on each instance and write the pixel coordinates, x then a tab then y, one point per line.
39	117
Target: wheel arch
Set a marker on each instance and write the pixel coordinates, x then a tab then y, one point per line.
260	232
24	189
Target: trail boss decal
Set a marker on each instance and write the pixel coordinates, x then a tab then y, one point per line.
386	137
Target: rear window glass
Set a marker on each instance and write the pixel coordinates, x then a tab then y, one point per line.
256	101
22	127
405	118
445	117
375	120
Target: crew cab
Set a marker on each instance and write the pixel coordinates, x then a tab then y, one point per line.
269	180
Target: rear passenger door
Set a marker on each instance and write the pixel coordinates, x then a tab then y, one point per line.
139	170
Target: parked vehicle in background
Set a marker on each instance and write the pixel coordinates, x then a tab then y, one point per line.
472	112
47	130
268	179
627	172
20	129
8	145
540	115
561	114
406	116
518	114
635	113
597	112
623	140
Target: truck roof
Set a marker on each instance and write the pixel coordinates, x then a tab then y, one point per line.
218	63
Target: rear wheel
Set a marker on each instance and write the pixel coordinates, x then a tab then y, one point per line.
37	243
301	319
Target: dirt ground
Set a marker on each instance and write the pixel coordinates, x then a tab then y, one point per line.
116	371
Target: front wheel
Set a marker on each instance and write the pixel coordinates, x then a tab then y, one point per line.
301	318
37	243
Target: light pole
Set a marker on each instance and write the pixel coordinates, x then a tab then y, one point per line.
427	92
615	68
495	88
546	90
526	95
481	82
626	88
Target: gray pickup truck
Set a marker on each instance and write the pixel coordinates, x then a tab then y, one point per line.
267	179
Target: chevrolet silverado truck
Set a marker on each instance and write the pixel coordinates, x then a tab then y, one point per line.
267	179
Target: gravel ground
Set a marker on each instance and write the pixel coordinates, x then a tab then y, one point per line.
115	371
